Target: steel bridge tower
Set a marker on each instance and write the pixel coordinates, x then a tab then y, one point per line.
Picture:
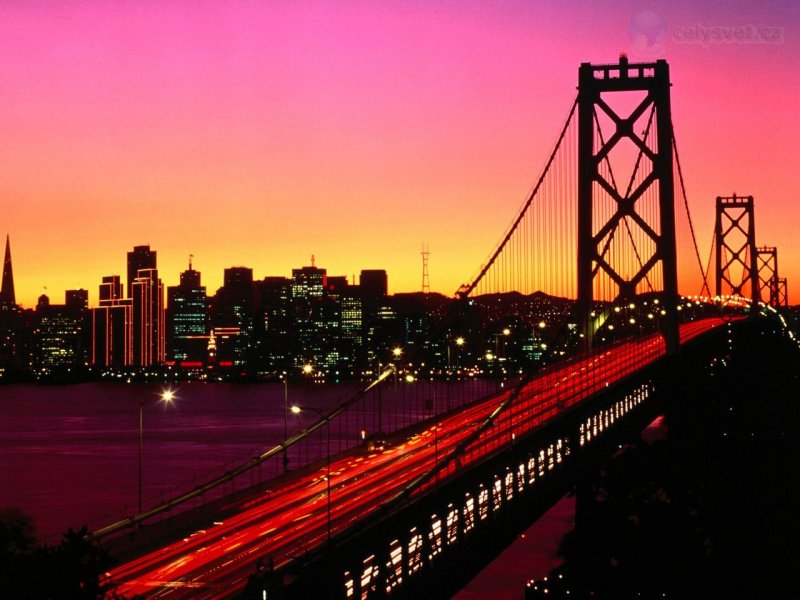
782	293
596	227
735	239
767	265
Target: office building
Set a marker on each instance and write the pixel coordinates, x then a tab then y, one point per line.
187	320
232	310
112	326
140	258
149	342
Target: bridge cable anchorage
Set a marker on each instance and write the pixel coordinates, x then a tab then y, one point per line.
466	290
705	287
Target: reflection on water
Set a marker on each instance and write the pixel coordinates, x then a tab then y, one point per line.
69	454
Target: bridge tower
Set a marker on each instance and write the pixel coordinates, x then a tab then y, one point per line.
607	214
782	291
767	269
735	239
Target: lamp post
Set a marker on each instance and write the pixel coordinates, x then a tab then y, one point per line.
285	423
397	352
459	341
297	410
167	396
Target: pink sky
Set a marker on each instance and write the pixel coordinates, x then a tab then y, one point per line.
258	133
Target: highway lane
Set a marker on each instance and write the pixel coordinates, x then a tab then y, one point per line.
286	522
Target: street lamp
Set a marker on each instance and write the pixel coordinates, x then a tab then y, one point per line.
459	341
166	396
297	410
285	423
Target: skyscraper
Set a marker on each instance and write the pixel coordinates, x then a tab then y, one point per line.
232	316
187	319
374	283
12	339
7	295
110	289
112	326
309	292
148	319
273	324
140	258
59	347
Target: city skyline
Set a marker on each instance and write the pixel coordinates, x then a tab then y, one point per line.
357	132
97	293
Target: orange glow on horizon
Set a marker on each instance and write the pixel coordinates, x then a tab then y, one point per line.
257	135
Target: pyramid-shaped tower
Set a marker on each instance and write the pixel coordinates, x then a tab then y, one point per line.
7	295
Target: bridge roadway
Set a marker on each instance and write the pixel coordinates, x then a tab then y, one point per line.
279	524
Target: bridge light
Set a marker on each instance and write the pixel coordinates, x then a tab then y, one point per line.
631	306
506	331
459	341
397	351
632	321
616	309
542	324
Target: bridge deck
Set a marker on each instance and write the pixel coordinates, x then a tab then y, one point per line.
285	522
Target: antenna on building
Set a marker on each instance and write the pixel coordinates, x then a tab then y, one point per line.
426	279
191	256
312	261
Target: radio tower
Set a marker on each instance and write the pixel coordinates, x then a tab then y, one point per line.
426	279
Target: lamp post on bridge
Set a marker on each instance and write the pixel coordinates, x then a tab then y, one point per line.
297	410
285	423
459	341
167	396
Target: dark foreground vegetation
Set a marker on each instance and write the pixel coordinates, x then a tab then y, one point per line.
73	569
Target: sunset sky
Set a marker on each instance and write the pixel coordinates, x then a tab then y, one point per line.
260	133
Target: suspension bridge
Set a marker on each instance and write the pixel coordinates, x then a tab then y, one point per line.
606	229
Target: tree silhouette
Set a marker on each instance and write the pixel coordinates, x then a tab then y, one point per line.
72	570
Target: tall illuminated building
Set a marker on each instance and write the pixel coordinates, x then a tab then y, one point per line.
141	257
7	295
12	352
149	341
232	317
187	320
110	289
309	291
112	326
273	325
58	336
351	330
